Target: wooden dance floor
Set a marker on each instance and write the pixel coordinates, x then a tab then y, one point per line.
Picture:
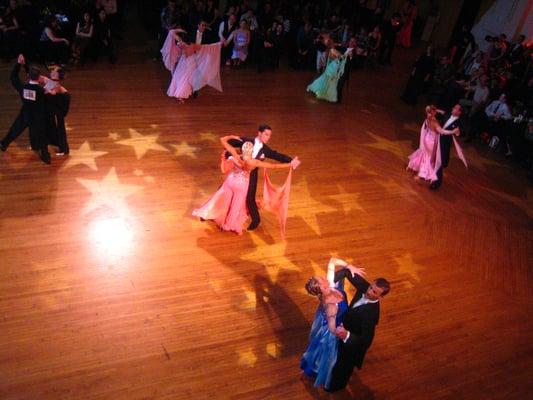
109	288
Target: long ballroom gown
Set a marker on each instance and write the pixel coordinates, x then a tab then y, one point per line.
426	160
321	353
227	207
325	86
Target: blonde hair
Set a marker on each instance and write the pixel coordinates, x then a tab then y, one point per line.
431	109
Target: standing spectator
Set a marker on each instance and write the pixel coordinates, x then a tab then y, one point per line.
390	31
84	34
102	37
408	18
170	19
225	29
361	49
10	35
241	39
420	76
374	43
111	10
304	47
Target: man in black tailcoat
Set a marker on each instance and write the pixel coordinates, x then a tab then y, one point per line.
358	325
33	112
449	121
260	152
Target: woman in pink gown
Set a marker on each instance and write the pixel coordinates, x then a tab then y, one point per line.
425	161
227	207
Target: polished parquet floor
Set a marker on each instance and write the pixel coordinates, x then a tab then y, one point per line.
109	289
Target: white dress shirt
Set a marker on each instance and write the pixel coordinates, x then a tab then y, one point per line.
497	108
198	37
450	121
258	145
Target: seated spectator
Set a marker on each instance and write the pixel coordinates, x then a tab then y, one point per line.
53	48
497	113
250	19
84	34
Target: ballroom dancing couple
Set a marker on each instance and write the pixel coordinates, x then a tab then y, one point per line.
45	104
231	204
433	154
193	59
341	332
328	86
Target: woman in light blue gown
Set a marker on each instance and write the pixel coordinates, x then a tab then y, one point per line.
321	353
325	86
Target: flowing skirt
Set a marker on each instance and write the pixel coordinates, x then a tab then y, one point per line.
227	207
325	86
426	159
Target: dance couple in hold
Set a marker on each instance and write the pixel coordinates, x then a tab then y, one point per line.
230	206
341	333
433	154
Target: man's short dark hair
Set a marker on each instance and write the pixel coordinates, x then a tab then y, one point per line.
34	73
383	284
264	127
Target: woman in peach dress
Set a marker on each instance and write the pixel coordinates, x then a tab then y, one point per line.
426	160
227	207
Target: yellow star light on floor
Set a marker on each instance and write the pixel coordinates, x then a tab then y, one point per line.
83	156
348	201
407	266
250	303
272	256
273	350
308	208
114	136
184	149
247	357
400	148
209	136
107	192
142	143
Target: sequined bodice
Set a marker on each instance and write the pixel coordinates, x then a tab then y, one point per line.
239	173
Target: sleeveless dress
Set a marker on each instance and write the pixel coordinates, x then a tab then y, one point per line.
227	207
325	86
426	159
321	353
240	49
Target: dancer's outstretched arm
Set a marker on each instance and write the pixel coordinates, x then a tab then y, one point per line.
224	140
263	164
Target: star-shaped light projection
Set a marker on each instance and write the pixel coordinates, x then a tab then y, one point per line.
400	148
407	266
271	256
208	136
273	349
108	192
114	135
309	208
348	201
247	357
184	149
142	143
83	156
250	302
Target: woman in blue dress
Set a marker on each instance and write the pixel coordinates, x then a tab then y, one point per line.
325	86
321	353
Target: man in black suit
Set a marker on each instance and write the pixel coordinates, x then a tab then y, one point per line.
358	325
202	35
449	121
260	152
33	112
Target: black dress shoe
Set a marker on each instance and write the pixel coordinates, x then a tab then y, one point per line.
253	226
195	94
45	157
434	186
3	147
